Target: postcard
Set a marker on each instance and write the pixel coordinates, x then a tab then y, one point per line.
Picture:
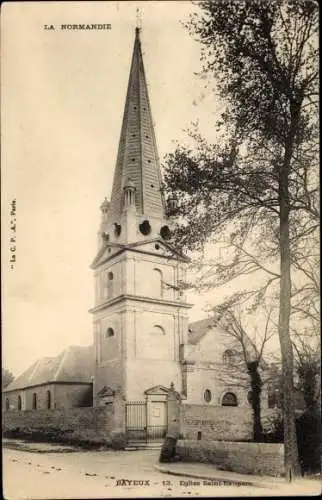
112	383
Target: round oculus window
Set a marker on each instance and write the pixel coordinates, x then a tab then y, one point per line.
165	232
145	227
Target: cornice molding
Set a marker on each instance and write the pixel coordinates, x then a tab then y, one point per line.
137	298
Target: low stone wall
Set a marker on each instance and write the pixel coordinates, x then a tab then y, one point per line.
218	423
73	425
215	422
247	458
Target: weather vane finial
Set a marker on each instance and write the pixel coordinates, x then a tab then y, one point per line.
138	19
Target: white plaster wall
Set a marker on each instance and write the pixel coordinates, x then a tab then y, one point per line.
118	270
151	360
141	342
202	378
144	374
146	279
140	356
151	343
212	346
210	372
110	347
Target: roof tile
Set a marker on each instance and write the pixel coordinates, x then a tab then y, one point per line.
74	364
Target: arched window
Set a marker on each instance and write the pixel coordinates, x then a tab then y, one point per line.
110	283
207	395
155	345
107	284
19	403
110	332
229	357
34	401
48	400
157	330
157	282
250	397
229	399
7	404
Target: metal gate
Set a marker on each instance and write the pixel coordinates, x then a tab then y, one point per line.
146	422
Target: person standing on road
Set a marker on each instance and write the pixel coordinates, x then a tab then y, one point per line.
168	450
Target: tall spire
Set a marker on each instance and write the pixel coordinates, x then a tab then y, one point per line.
137	157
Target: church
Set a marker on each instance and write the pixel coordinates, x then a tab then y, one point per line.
143	343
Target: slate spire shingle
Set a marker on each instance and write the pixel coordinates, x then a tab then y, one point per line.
137	157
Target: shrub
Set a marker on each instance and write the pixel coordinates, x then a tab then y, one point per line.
308	432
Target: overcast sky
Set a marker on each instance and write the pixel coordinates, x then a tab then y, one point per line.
63	94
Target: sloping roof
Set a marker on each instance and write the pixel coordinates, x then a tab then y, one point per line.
74	364
198	329
157	389
104	255
137	157
106	391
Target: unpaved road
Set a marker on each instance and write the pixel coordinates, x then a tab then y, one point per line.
106	474
81	474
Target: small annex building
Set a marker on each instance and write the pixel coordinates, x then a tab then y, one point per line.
213	367
64	381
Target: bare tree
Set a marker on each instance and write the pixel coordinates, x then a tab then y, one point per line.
251	362
258	177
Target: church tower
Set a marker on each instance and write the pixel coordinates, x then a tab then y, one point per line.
140	314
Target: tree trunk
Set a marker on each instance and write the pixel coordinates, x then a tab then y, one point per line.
256	385
291	461
257	425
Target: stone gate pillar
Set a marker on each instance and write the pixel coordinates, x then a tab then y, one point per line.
174	404
118	434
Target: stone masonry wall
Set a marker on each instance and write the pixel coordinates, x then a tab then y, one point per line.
246	458
62	395
87	425
26	396
73	396
215	423
220	423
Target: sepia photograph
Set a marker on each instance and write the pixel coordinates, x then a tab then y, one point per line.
160	249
